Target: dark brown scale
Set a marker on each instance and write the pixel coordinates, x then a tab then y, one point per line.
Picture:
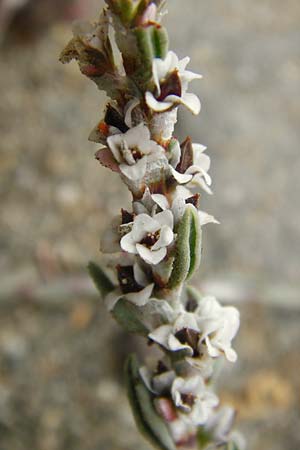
161	368
150	239
126	280
114	119
194	200
189	337
170	86
136	153
188	399
187	156
127	217
191	305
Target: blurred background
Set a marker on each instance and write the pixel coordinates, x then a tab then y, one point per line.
61	355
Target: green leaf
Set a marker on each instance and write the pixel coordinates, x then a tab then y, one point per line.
160	42
101	280
188	247
150	424
204	438
195	243
146	54
130	317
124	9
182	255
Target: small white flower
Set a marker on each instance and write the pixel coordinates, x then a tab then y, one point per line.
150	237
162	69
139	297
184	334
197	173
177	205
206	332
219	325
131	151
194	400
220	423
183	433
158	380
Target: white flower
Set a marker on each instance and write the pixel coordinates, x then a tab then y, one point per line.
184	335
178	203
219	325
197	173
206	332
184	434
131	150
162	71
158	380
205	218
139	296
150	237
220	423
194	400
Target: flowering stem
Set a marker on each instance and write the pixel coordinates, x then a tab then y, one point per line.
155	245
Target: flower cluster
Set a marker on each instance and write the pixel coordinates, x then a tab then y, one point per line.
155	246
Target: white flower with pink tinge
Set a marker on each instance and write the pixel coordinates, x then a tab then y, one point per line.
193	399
164	68
132	149
150	237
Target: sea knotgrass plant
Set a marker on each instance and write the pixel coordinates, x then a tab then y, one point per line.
155	245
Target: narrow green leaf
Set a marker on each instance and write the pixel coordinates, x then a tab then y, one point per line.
150	424
188	248
130	317
204	438
101	280
195	243
127	11
160	42
182	256
146	55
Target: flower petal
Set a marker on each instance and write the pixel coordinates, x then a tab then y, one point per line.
131	105
143	224
139	275
128	243
161	335
137	135
205	218
190	101
151	257
201	163
186	320
161	201
115	142
112	299
175	150
175	346
199	181
166	238
181	178
142	297
136	171
165	218
157	106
